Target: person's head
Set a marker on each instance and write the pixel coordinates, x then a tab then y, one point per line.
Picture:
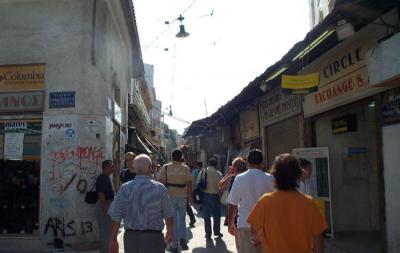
239	164
286	171
107	166
306	167
199	164
213	162
129	156
255	158
143	165
176	155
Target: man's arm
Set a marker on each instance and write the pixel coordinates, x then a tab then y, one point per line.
256	236
169	235
318	244
231	219
189	192
114	247
103	201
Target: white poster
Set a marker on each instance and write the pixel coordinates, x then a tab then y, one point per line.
13	146
319	180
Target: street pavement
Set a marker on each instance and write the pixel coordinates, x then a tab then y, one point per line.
197	242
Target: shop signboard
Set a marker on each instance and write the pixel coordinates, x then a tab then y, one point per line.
343	73
249	124
276	106
320	179
300	84
22	77
28	101
63	99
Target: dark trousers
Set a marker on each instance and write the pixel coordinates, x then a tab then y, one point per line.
143	242
211	205
189	212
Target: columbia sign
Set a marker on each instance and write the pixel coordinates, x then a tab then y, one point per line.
22	77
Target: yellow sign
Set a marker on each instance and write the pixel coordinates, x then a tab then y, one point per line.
300	84
321	205
22	77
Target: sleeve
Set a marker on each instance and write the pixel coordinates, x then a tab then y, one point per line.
188	176
319	224
234	195
165	202
162	173
257	215
117	210
101	184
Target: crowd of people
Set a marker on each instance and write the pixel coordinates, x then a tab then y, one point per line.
266	212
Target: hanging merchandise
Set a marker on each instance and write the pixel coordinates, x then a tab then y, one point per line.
300	84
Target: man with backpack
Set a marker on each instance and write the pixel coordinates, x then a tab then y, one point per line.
177	178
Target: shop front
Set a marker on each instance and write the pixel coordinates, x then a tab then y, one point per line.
21	116
282	123
345	118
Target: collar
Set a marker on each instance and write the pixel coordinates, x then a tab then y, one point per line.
142	177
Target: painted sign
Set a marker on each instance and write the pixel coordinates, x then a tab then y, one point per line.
62	99
29	101
13	146
22	77
276	106
15	125
343	73
300	84
249	124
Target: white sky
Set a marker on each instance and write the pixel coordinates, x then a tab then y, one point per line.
223	53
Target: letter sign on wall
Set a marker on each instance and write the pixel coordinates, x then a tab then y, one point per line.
22	77
28	101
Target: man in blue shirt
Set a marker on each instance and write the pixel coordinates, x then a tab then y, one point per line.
105	193
144	204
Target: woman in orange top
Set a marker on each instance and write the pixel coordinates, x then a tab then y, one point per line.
287	221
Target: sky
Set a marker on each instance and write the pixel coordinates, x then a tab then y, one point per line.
231	42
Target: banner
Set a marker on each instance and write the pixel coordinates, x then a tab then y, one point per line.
300	84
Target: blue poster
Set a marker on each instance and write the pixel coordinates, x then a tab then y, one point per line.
65	99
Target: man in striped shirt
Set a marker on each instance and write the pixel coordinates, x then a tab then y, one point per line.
144	204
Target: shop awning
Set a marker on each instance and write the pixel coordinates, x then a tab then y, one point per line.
136	142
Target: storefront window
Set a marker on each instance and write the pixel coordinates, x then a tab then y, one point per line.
20	148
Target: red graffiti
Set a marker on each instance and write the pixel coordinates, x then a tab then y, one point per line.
83	161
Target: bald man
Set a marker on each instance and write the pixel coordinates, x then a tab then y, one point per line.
143	204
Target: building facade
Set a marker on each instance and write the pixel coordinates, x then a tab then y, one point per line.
66	69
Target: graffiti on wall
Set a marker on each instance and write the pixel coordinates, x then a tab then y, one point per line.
66	163
61	227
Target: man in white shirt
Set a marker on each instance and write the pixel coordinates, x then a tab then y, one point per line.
247	188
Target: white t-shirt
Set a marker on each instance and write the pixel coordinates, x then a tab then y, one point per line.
247	188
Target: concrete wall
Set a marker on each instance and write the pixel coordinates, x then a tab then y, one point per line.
391	154
353	177
60	34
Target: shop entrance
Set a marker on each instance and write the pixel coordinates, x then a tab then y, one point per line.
20	150
350	133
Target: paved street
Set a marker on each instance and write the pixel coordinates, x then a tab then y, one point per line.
197	242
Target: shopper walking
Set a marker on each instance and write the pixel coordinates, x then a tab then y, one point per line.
178	180
287	221
129	173
143	204
211	199
247	188
105	193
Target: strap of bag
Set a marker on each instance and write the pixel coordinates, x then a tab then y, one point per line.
170	184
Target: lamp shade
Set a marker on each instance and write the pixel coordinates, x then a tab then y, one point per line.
182	33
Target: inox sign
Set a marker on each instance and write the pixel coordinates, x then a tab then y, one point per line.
32	101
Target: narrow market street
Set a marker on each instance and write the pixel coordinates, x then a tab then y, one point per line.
196	241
